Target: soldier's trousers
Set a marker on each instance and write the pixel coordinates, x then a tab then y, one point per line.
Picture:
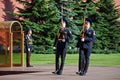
28	58
28	54
84	59
61	53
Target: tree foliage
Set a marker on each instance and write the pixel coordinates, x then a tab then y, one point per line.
43	16
107	26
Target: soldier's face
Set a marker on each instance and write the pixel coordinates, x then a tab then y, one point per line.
30	32
84	0
87	25
63	24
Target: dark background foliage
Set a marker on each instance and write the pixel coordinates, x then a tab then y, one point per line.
43	17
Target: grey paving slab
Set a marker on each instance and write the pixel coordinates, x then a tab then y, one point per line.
44	72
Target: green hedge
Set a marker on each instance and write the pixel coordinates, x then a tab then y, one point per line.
49	50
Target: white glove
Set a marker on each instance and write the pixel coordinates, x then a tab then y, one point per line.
94	33
28	49
54	47
63	40
83	39
70	48
76	49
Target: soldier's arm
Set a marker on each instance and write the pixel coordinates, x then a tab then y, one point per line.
26	41
70	35
78	43
55	41
94	36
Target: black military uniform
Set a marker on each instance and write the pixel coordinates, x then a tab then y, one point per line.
85	47
61	43
28	46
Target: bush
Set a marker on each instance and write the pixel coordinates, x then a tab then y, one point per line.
105	51
43	50
49	50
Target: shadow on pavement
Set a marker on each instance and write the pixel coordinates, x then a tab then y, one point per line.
2	73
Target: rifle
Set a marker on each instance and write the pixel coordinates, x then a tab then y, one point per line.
82	35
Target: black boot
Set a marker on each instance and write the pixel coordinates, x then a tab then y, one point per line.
55	72
59	72
28	60
78	72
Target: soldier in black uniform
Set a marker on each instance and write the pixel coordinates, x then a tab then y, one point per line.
85	43
28	46
61	43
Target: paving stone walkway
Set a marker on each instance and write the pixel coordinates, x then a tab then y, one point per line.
44	72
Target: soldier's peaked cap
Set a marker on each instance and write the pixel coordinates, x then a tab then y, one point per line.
88	20
28	29
63	20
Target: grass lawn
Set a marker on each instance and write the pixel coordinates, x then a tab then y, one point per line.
72	59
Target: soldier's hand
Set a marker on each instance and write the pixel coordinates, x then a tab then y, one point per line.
83	39
28	49
54	48
70	48
76	49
